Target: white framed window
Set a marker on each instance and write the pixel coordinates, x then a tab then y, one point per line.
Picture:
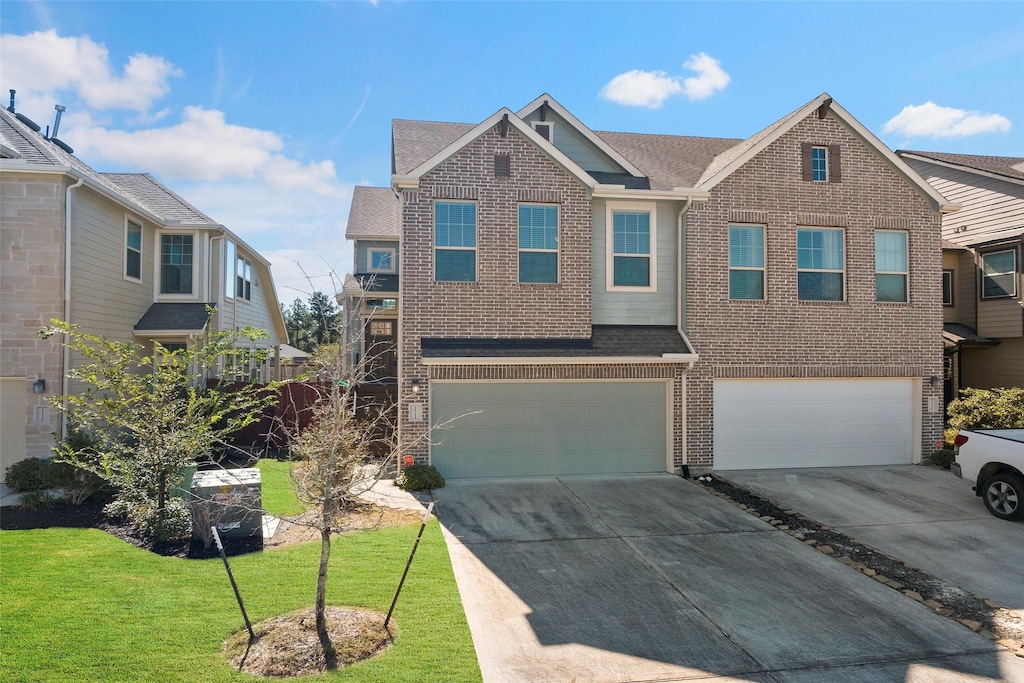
538	243
631	247
454	241
229	269
545	129
947	287
380	260
891	268
820	264
177	271
243	278
746	262
132	250
819	164
999	274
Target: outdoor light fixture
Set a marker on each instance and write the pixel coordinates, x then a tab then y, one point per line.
39	386
416	386
935	379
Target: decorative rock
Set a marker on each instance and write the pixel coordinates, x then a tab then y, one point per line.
993	604
913	595
987	634
881	578
1011	644
766	518
784	527
776	522
811	541
798	535
868	571
934	604
944	611
894	584
827	549
845	560
741	506
973	625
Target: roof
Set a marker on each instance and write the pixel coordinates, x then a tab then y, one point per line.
295	354
413	142
1010	167
955	334
160	200
174	317
668	160
605	341
375	212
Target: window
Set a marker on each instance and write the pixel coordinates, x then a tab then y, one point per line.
947	288
176	264
820	163
746	262
381	260
229	269
819	263
546	129
381	304
538	243
891	266
455	242
132	250
243	279
632	240
999	274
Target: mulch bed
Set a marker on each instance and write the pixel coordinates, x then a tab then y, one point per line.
974	611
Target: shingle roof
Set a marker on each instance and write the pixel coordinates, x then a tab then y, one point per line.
181	317
158	199
1011	167
955	334
413	142
375	212
605	341
668	160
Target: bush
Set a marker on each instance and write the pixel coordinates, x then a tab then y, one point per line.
77	485
420	478
143	518
33	500
1000	408
943	457
26	475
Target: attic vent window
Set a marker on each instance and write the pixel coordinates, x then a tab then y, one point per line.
546	129
502	166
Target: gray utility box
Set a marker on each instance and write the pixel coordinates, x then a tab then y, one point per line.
231	500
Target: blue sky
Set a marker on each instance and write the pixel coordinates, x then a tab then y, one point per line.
266	114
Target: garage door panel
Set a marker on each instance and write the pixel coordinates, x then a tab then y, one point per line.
813	423
552	428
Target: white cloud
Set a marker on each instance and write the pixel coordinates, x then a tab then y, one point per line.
650	89
40	64
930	120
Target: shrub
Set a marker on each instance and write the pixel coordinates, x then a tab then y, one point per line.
26	475
420	478
76	484
943	457
33	500
143	517
999	408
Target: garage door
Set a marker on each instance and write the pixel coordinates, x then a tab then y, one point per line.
549	428
814	422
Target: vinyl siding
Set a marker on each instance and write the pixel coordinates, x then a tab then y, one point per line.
363	253
998	366
966	290
1000	318
575	146
636	308
951	261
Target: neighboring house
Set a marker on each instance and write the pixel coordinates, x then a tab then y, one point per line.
117	254
982	266
294	361
581	302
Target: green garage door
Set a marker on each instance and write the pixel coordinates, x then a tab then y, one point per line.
526	429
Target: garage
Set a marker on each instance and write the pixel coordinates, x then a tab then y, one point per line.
525	429
775	423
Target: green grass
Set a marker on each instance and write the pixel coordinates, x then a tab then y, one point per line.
278	496
81	605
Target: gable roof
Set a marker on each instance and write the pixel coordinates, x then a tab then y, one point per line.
375	212
174	317
159	199
1007	168
669	161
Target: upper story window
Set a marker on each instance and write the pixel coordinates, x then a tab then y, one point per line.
176	270
746	262
229	269
381	260
891	266
947	287
820	264
632	241
821	163
538	243
132	250
999	274
243	278
454	241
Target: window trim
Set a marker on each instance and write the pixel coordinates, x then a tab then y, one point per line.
949	273
243	278
230	261
1015	269
551	125
825	170
764	260
124	272
630	207
476	233
842	272
557	251
904	273
370	251
158	256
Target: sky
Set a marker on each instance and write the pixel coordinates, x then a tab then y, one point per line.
265	115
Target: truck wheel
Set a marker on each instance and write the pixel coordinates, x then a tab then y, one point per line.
1004	495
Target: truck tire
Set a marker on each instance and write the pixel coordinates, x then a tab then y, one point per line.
1003	494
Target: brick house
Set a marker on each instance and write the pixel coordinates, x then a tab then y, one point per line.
581	302
117	254
982	271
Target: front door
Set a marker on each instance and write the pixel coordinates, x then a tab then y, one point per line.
380	354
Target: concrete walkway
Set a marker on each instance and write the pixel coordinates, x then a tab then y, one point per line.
654	579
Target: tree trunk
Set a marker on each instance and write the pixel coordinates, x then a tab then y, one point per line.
330	654
161	504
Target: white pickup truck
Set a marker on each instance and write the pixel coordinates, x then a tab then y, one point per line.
994	460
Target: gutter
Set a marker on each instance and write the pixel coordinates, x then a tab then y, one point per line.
665	358
66	362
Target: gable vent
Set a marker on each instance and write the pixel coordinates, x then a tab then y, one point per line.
502	166
546	129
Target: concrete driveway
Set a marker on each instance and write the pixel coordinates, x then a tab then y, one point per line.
654	579
921	515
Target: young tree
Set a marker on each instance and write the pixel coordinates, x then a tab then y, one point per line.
323	313
150	416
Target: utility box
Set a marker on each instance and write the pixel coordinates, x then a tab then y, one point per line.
231	500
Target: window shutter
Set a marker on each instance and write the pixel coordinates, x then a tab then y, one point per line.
502	166
805	160
835	169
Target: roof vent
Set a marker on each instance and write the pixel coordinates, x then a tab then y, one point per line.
56	122
63	145
10	107
28	122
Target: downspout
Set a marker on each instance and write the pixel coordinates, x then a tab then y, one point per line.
66	366
679	272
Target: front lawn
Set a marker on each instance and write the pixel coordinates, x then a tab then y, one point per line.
278	496
81	605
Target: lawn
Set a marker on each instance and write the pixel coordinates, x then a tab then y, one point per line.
278	497
81	605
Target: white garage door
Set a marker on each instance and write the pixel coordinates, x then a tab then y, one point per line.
517	429
814	422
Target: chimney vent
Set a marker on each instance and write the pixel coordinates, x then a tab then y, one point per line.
56	122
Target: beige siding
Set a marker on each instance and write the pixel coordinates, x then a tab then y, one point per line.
998	366
966	290
1000	318
952	314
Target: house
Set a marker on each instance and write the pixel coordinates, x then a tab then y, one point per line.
118	254
581	302
982	281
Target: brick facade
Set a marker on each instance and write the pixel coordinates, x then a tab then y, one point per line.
782	337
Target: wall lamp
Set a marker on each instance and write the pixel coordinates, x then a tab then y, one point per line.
39	386
416	386
935	380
